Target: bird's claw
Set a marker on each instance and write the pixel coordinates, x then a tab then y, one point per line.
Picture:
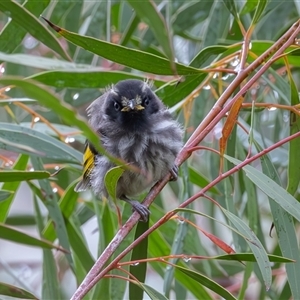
174	173
138	207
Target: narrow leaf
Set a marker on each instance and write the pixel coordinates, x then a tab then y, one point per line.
67	205
50	200
232	8
259	11
207	282
8	176
14	291
132	58
147	11
13	235
284	224
20	164
272	189
44	62
256	247
26	20
45	145
65	111
151	292
85	79
139	270
294	145
251	258
111	180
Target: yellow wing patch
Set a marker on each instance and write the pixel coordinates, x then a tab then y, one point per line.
88	161
88	166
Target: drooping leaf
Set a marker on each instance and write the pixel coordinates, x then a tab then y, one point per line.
148	11
44	145
128	57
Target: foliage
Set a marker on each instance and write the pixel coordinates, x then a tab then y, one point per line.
233	85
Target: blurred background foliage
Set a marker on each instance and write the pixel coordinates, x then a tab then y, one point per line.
51	235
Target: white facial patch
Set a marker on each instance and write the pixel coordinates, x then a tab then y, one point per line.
128	102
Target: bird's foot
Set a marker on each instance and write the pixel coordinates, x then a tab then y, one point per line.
138	207
174	173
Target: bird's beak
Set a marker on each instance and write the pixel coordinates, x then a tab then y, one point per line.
132	105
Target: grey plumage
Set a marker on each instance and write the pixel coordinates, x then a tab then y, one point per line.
135	126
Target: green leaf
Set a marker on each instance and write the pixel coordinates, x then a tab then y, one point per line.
67	205
44	62
111	180
19	147
26	20
294	145
217	25
46	145
175	92
255	245
49	198
13	235
106	221
151	292
50	285
129	30
65	111
232	8
158	247
65	130
139	270
253	242
14	175
50	277
285	229
207	282
14	291
132	58
259	11
79	246
148	12
12	34
251	258
189	14
210	217
5	194
84	79
198	179
272	189
20	164
205	54
249	6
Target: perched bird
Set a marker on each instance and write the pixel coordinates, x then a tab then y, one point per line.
134	125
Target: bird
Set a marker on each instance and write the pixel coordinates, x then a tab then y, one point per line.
135	126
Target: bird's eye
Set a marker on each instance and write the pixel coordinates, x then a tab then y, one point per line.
146	101
117	106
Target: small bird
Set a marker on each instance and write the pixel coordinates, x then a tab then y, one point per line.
135	126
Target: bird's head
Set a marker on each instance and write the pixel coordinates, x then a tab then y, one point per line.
130	103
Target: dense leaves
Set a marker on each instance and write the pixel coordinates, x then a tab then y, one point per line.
194	53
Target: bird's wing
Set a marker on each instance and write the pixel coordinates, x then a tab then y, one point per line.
88	165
